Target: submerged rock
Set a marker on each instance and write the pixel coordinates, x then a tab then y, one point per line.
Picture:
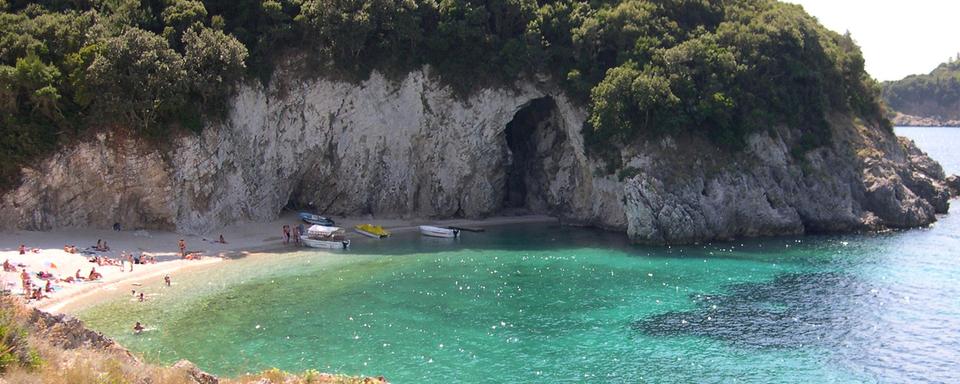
413	148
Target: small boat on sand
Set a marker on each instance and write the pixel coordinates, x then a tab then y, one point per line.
310	218
320	236
370	230
429	230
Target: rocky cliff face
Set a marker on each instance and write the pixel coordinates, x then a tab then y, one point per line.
412	148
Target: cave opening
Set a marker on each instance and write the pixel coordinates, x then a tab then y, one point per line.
526	134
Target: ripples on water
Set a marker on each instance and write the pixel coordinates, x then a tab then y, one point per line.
550	304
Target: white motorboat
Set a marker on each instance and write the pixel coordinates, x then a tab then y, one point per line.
320	236
429	230
328	244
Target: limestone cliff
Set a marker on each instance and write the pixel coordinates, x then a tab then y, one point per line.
413	148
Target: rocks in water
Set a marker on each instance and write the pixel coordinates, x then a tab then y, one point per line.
791	311
953	182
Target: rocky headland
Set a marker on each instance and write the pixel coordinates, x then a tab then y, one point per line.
904	120
412	147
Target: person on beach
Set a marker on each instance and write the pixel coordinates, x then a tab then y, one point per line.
49	287
138	328
23	249
94	275
25	280
166	280
130	261
183	248
7	267
77	275
38	294
286	234
141	298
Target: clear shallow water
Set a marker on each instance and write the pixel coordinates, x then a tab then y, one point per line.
552	304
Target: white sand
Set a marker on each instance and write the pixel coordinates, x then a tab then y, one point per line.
244	238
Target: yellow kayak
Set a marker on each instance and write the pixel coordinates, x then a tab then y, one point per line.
371	230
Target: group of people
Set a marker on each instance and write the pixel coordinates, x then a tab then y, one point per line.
101	246
293	232
29	291
138	327
23	249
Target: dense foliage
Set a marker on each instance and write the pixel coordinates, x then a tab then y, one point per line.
717	68
933	93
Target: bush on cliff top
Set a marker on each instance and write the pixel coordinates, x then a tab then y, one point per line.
717	68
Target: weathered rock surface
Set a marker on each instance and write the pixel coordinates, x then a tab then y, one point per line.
198	376
953	182
412	148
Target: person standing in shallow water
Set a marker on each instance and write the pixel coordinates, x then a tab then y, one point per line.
286	234
166	280
183	247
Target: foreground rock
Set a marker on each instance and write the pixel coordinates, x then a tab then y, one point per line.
44	348
413	148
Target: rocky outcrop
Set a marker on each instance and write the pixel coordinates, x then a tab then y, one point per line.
69	333
198	376
904	120
953	182
413	148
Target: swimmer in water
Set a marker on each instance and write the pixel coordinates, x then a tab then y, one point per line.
138	328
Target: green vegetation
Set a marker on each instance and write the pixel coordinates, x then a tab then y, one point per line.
15	351
932	95
716	68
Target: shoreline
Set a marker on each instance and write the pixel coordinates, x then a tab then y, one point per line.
45	253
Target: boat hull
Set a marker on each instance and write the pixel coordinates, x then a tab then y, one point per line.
431	231
310	218
369	234
325	244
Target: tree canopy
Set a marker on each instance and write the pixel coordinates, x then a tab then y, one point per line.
936	94
717	68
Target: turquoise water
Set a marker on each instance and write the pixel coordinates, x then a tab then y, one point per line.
541	303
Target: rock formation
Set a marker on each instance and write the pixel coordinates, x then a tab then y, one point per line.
413	148
904	120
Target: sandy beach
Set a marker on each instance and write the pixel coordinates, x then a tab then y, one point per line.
45	252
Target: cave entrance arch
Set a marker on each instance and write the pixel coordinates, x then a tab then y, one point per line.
533	146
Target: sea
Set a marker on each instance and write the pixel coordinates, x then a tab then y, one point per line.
552	304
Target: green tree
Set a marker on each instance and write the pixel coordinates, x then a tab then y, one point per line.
138	80
214	62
